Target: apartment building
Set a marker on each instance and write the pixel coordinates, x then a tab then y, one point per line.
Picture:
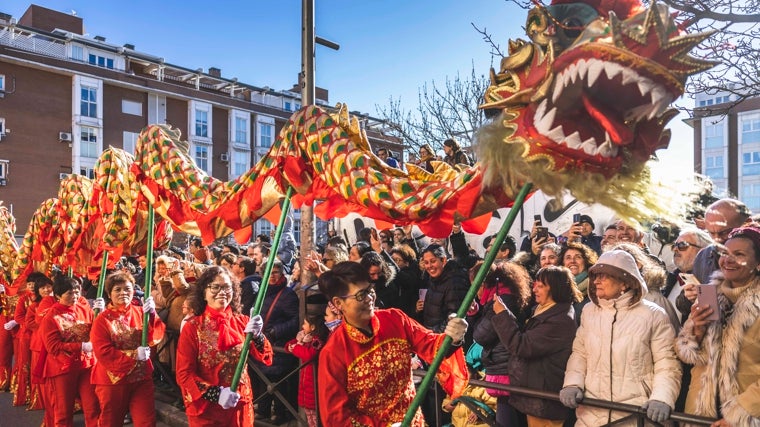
64	97
727	145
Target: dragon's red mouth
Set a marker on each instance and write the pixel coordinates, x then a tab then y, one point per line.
614	100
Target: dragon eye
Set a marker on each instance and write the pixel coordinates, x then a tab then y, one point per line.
572	27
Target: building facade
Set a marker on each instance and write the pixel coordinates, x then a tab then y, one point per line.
727	145
65	97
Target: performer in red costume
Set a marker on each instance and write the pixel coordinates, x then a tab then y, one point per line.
122	375
43	288
208	351
365	368
21	381
7	308
66	333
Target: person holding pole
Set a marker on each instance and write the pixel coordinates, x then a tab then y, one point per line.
209	349
65	332
365	370
123	374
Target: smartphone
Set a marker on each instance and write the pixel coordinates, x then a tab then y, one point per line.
689	278
576	218
537	219
542	233
708	294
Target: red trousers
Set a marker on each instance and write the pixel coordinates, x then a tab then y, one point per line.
214	415
36	400
6	358
137	398
64	388
22	370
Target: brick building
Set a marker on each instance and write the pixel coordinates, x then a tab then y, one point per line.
64	97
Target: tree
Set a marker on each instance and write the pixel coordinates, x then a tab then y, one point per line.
442	112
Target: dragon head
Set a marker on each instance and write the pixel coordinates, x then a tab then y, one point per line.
588	94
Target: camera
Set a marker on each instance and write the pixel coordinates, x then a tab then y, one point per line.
666	234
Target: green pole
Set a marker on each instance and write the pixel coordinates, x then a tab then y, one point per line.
256	309
102	278
71	272
148	271
471	294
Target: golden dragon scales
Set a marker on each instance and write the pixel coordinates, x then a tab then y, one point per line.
580	107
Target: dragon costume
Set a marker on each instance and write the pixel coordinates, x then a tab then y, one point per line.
581	106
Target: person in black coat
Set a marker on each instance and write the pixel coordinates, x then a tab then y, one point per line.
408	280
447	286
511	283
541	349
280	313
381	276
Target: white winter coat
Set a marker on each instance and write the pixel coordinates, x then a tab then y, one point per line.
623	353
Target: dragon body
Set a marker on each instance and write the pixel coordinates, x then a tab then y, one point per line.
581	107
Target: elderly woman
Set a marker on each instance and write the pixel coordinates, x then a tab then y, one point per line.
578	258
540	349
209	349
123	374
365	370
623	351
65	331
725	352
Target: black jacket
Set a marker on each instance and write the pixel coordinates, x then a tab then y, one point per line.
540	353
444	296
495	357
281	326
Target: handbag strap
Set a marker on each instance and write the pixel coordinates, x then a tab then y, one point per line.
271	307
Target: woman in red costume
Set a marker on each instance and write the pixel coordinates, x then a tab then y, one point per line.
66	333
365	370
43	288
123	373
21	382
208	351
6	335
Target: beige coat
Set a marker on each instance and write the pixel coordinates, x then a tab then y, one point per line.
727	362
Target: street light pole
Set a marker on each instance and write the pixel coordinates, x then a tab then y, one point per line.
307	98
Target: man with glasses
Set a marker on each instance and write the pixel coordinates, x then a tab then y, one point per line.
685	250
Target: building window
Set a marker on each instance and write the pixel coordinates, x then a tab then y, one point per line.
241	130
201	123
131	107
241	161
266	131
751	195
714	135
264	227
129	140
201	157
714	167
88	142
88	103
751	130
2	126
4	165
751	163
100	61
2	82
88	172
288	106
77	53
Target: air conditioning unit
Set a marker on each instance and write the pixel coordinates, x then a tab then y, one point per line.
225	157
3	182
63	175
64	136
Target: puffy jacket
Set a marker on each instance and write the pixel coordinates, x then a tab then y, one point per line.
495	356
539	356
641	367
444	296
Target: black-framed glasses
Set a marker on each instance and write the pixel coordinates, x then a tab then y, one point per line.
361	295
682	246
217	289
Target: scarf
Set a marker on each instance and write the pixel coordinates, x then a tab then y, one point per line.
543	307
228	337
581	283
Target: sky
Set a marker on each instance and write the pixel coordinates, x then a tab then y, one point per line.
388	49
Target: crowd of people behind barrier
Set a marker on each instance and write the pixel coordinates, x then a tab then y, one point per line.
578	314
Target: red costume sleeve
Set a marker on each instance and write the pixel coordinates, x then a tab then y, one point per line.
187	364
21	306
51	337
305	353
30	322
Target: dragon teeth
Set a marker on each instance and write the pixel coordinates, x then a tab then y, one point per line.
557	134
594	71
589	146
573	140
